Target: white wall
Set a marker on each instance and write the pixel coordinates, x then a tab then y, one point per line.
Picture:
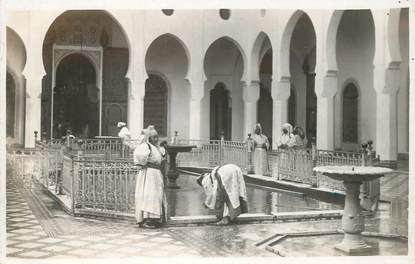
355	51
167	56
198	29
223	63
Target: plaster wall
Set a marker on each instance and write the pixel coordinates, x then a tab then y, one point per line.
355	51
166	57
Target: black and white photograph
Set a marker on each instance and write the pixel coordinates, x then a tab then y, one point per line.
277	131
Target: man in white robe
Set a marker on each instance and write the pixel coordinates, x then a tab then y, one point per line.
125	136
150	199
225	192
287	138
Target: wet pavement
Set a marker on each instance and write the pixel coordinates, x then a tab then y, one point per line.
38	228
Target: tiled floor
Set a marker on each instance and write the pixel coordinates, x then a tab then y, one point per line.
38	228
27	239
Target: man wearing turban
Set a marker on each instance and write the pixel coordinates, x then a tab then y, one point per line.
125	136
150	199
225	192
261	146
287	138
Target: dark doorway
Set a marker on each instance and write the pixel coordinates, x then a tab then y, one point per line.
76	98
10	105
155	104
311	108
292	106
350	113
220	112
264	113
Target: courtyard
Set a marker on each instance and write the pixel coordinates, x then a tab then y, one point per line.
310	107
38	227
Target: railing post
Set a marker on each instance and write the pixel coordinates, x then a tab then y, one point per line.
250	149
364	154
314	155
221	147
36	136
60	174
72	175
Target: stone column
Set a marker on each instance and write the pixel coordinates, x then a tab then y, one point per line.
386	79
33	112
326	86
133	24
135	106
326	25
250	95
386	114
195	109
34	72
280	92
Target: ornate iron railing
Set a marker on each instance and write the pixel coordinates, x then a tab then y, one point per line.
92	180
211	153
292	165
22	165
104	186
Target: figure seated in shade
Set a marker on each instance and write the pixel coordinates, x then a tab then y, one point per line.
225	192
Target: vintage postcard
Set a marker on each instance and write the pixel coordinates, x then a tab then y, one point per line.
181	131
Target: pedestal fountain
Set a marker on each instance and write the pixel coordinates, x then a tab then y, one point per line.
173	149
352	219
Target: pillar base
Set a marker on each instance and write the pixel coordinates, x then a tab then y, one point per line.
172	180
354	244
172	185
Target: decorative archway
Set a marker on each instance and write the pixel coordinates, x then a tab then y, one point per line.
100	38
355	100
15	88
76	98
350	113
302	71
224	63
167	92
220	112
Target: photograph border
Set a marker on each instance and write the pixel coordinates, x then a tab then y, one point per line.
22	5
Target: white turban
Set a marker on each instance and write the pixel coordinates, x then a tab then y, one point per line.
288	127
151	131
121	124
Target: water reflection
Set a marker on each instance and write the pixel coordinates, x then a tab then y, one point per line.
189	200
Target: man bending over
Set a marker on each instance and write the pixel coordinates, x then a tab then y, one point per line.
225	192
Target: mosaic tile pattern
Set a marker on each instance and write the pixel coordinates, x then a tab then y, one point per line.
27	239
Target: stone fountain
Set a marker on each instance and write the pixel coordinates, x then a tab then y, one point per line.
353	220
173	149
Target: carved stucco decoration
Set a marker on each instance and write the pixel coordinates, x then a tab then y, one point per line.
93	55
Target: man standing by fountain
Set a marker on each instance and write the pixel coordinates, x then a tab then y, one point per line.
150	199
225	192
261	145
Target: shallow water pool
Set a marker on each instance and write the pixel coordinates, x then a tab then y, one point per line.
188	200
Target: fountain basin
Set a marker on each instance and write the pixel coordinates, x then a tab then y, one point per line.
353	173
353	219
173	173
